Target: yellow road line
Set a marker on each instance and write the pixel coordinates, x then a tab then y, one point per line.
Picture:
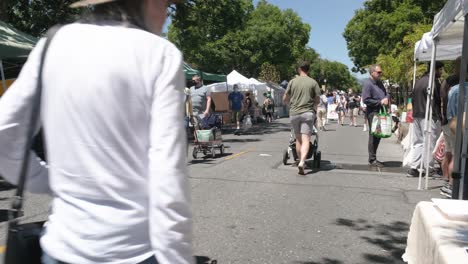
238	154
2	249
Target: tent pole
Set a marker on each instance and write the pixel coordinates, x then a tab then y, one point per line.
427	119
3	78
414	74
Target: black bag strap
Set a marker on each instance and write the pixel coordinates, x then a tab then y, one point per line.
17	202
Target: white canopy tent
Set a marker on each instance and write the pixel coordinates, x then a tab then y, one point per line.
450	33
236	78
257	88
423	49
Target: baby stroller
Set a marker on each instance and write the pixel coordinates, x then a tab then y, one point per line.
313	149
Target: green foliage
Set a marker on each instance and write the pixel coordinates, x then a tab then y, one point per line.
36	16
269	73
398	66
336	74
251	38
381	26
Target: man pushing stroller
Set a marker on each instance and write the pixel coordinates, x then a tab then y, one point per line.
303	95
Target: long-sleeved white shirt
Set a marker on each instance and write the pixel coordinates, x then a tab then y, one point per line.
112	112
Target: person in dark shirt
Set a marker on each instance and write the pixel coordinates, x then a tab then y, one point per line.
374	96
447	162
419	101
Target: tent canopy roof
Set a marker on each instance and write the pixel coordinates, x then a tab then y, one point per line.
14	43
449	22
447	30
423	49
190	72
236	78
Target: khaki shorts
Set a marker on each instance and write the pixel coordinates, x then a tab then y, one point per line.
236	115
449	139
303	123
354	111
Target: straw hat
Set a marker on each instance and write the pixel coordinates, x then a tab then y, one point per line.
89	2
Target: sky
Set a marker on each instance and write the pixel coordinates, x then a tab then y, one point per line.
328	19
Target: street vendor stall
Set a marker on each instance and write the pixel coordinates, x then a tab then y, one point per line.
438	230
450	29
210	77
15	46
423	53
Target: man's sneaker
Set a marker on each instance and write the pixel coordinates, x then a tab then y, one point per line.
446	185
446	192
365	128
376	164
412	173
446	189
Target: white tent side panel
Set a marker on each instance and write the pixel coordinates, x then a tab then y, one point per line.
423	49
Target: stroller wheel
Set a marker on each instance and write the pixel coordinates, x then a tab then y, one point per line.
221	150
194	153
317	159
285	157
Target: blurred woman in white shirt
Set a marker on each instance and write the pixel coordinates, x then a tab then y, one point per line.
112	112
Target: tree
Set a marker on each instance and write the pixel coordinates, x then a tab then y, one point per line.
398	65
381	25
251	38
269	73
200	26
36	16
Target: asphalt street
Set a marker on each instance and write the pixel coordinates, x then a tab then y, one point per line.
250	208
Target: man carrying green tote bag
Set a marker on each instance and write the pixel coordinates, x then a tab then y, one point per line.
374	97
382	124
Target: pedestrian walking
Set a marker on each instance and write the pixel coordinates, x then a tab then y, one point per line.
303	94
353	107
201	100
322	111
268	109
341	109
419	100
375	97
112	110
236	105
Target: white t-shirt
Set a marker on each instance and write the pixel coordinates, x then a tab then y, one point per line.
112	111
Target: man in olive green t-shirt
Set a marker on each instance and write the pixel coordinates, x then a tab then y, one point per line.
303	94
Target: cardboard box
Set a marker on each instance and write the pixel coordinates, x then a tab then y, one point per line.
221	101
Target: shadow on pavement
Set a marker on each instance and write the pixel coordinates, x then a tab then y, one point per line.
323	261
4	215
325	165
260	129
393	164
389	166
391	238
205	260
241	140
